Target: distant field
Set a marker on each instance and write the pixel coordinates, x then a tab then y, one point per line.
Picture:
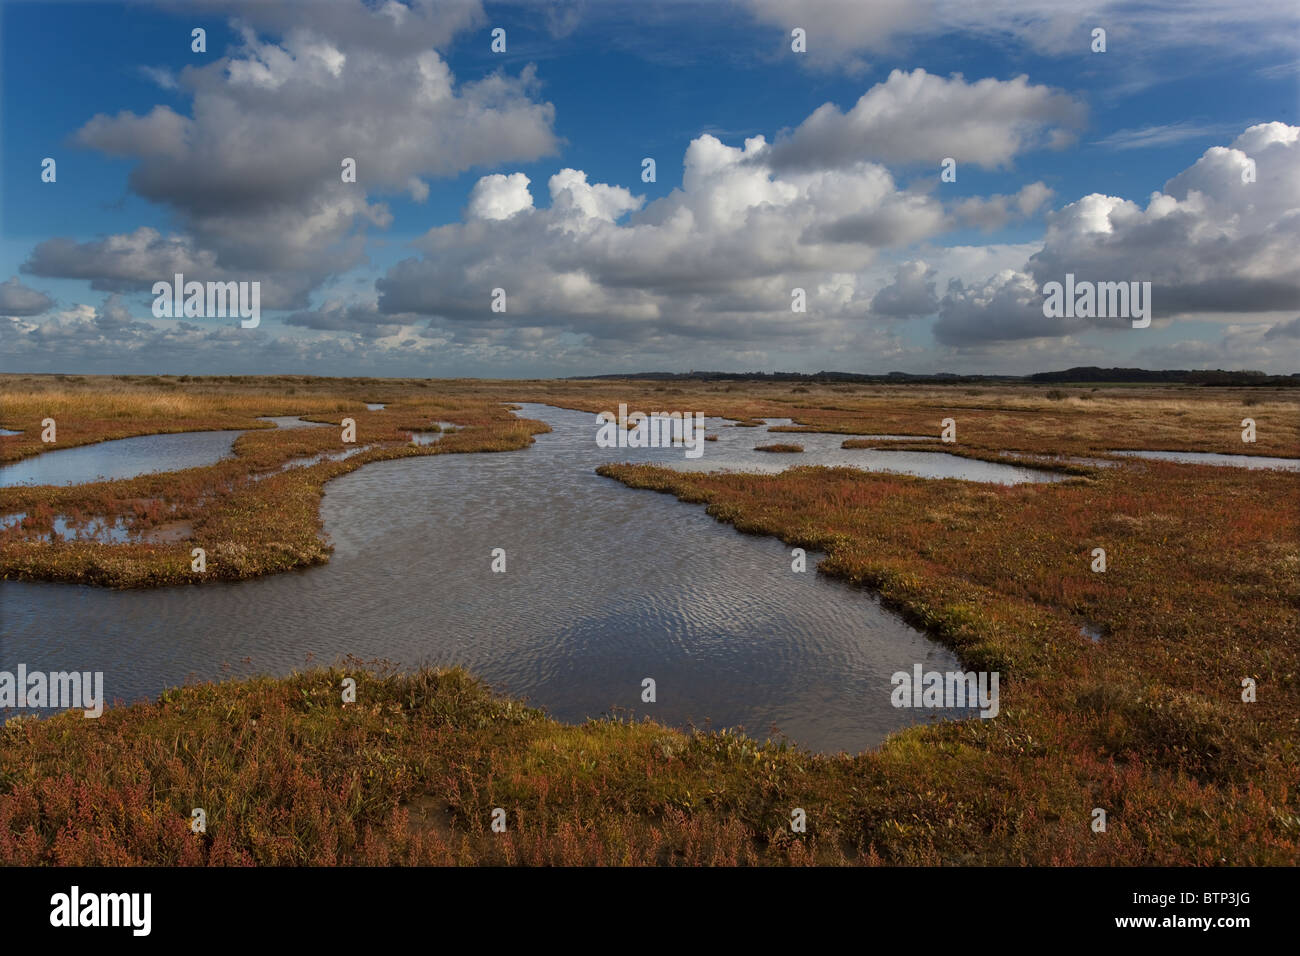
1201	591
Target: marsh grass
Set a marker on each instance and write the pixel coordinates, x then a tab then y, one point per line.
1202	590
248	516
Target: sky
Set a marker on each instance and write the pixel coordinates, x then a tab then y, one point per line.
836	185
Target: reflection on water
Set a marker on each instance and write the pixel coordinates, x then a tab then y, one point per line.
1213	458
319	458
604	586
131	457
433	437
1063	459
123	458
734	451
292	421
95	529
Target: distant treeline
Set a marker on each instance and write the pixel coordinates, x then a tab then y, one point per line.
1081	374
1090	373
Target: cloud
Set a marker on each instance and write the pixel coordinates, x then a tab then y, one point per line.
1164	134
134	261
918	117
714	261
1280	71
253	174
994	212
1252	346
1005	306
846	34
911	294
383	26
114	316
108	338
1210	242
582	204
17	299
161	76
838	30
1284	330
499	197
337	316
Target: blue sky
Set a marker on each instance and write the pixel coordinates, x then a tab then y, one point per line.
225	162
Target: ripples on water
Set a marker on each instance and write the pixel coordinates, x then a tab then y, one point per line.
292	421
734	451
604	586
122	458
1214	458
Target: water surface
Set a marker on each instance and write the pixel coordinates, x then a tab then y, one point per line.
604	586
292	421
734	452
1214	458
120	458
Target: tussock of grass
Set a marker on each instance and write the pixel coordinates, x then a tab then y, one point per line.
779	448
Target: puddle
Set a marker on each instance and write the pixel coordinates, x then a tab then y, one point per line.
293	421
430	438
375	407
7	432
121	458
1213	458
848	437
142	455
307	460
778	425
105	532
733	451
97	529
1062	459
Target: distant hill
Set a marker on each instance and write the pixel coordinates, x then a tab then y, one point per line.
1080	374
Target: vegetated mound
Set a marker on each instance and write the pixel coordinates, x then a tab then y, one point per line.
779	448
